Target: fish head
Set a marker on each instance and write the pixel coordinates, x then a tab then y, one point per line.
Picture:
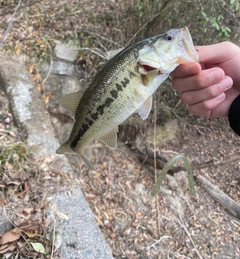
166	51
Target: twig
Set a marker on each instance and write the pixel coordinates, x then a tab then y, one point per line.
142	28
93	51
51	64
176	255
156	15
220	196
190	238
10	24
54	237
215	163
109	40
155	159
155	243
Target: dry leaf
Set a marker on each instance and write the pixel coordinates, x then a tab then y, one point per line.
18	51
46	98
31	235
41	43
10	236
3	247
39	87
31	68
57	242
7	248
58	213
30	226
65	175
36	77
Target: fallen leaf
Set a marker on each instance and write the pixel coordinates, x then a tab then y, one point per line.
38	247
18	51
58	213
31	68
7	249
30	226
57	242
46	98
36	77
3	247
31	235
10	236
41	43
39	87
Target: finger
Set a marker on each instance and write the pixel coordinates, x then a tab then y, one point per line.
196	96
210	54
186	70
205	108
201	80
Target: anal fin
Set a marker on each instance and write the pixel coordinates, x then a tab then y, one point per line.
110	139
65	149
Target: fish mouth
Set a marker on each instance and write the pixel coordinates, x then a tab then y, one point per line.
188	46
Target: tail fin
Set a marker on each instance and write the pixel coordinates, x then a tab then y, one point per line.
86	161
65	149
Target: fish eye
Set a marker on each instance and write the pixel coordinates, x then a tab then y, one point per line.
169	37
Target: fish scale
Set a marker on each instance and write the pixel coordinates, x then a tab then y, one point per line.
123	86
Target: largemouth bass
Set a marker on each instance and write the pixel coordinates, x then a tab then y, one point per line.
123	86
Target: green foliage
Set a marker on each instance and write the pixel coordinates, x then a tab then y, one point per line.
220	9
15	154
143	6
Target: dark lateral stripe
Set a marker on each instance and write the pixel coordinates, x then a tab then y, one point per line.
100	110
119	87
114	94
89	122
131	74
82	130
94	116
125	82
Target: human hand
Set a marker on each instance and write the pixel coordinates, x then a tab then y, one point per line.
210	87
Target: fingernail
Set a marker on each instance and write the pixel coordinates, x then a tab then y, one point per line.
217	75
220	97
226	83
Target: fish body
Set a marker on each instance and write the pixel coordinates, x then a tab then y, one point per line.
123	86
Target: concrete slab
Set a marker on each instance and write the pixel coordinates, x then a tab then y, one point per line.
31	115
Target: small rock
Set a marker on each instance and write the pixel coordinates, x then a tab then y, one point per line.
66	51
7	120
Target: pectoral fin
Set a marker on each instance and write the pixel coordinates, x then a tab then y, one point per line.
70	101
145	109
110	139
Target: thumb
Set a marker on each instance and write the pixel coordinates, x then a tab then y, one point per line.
217	53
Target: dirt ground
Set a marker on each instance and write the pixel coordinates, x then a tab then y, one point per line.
131	221
134	224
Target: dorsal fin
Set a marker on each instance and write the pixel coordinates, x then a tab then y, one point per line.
70	101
